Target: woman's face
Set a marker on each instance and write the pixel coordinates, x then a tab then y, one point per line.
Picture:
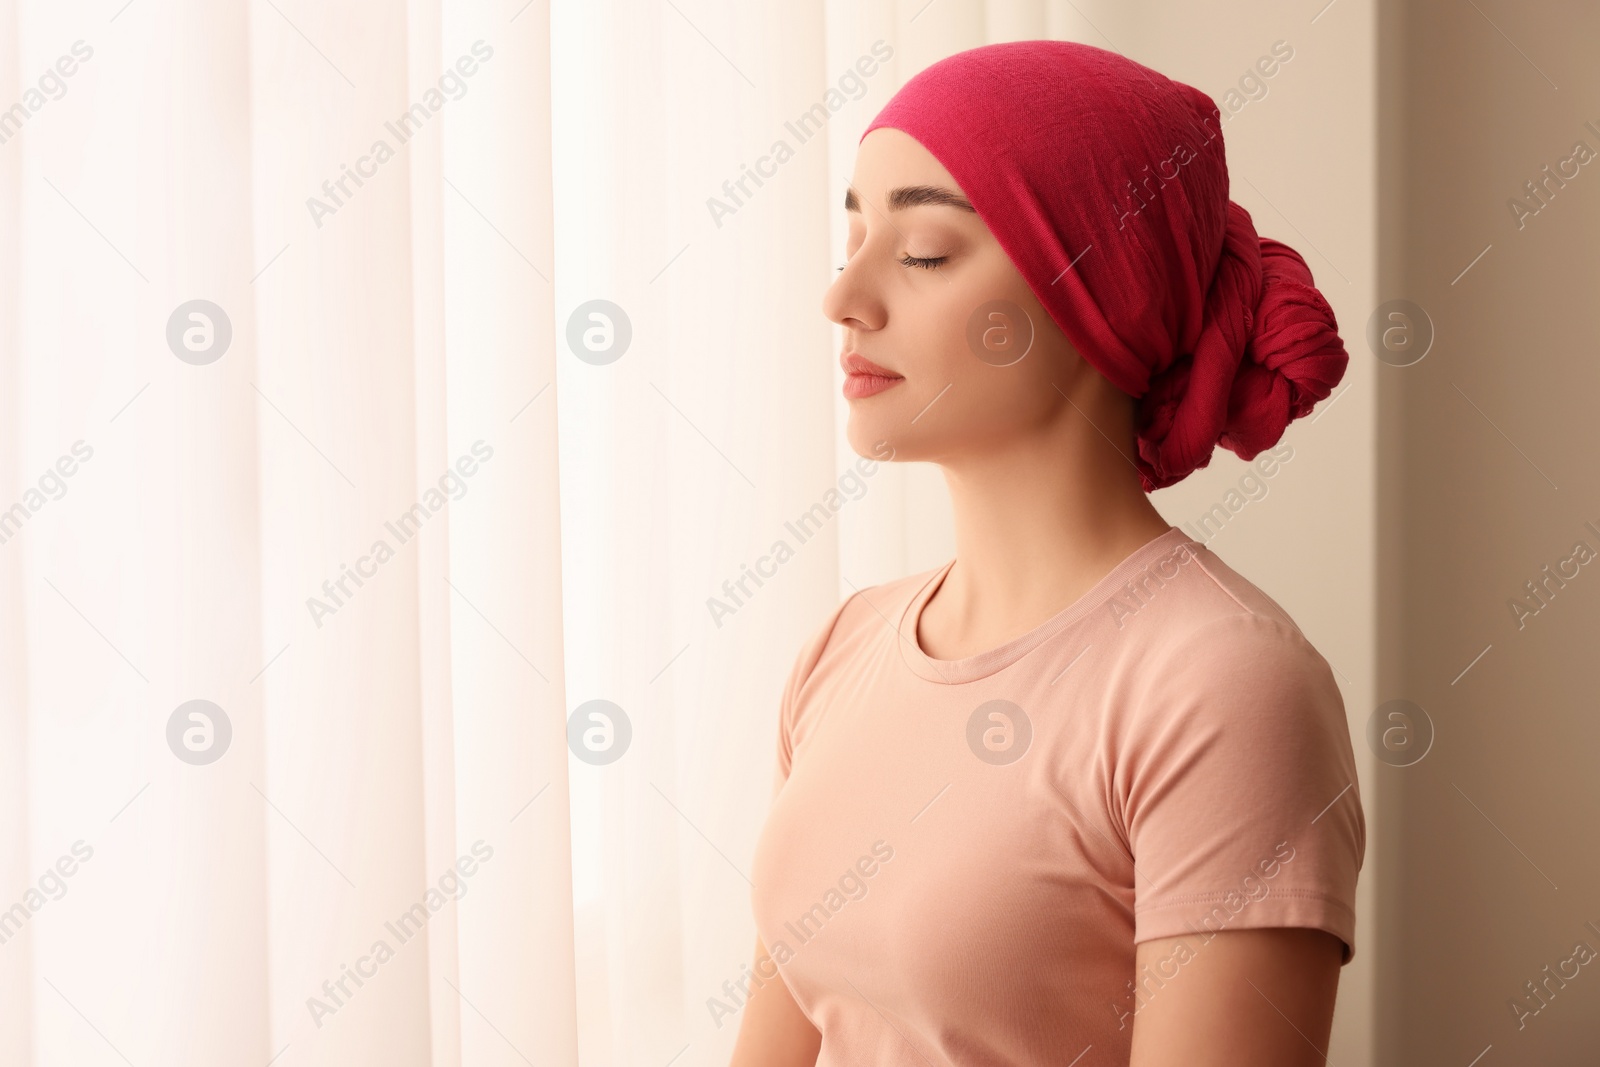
927	293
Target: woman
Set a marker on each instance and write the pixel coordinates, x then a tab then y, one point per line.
1083	794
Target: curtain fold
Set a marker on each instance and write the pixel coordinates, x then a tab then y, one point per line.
448	374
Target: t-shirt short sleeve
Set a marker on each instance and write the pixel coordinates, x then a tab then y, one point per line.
799	672
1238	787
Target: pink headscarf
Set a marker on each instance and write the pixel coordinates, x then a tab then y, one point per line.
1068	150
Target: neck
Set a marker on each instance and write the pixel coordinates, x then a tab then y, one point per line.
1039	523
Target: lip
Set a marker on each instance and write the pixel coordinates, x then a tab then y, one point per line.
859	386
864	378
855	363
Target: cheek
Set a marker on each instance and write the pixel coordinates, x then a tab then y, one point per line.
999	347
1001	334
983	337
996	315
965	395
1016	378
1016	395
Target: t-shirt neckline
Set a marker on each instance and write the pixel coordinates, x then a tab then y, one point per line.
984	664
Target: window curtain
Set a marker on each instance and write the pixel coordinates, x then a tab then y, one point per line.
401	406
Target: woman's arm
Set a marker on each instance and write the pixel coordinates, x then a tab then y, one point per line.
1255	996
774	1031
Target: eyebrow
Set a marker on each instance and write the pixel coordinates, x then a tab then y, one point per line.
914	196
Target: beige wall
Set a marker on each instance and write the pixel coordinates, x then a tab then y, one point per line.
1486	478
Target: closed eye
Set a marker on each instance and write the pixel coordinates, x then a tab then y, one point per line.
925	262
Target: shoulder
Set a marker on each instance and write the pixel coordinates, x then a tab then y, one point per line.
1239	651
1210	652
1195	612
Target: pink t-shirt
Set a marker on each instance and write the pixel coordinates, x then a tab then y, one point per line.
961	854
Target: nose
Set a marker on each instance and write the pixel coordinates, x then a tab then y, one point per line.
851	301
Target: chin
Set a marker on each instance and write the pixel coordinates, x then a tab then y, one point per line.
871	438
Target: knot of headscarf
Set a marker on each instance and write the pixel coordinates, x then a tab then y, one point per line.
1106	184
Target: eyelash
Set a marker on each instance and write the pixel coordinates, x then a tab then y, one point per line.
925	262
